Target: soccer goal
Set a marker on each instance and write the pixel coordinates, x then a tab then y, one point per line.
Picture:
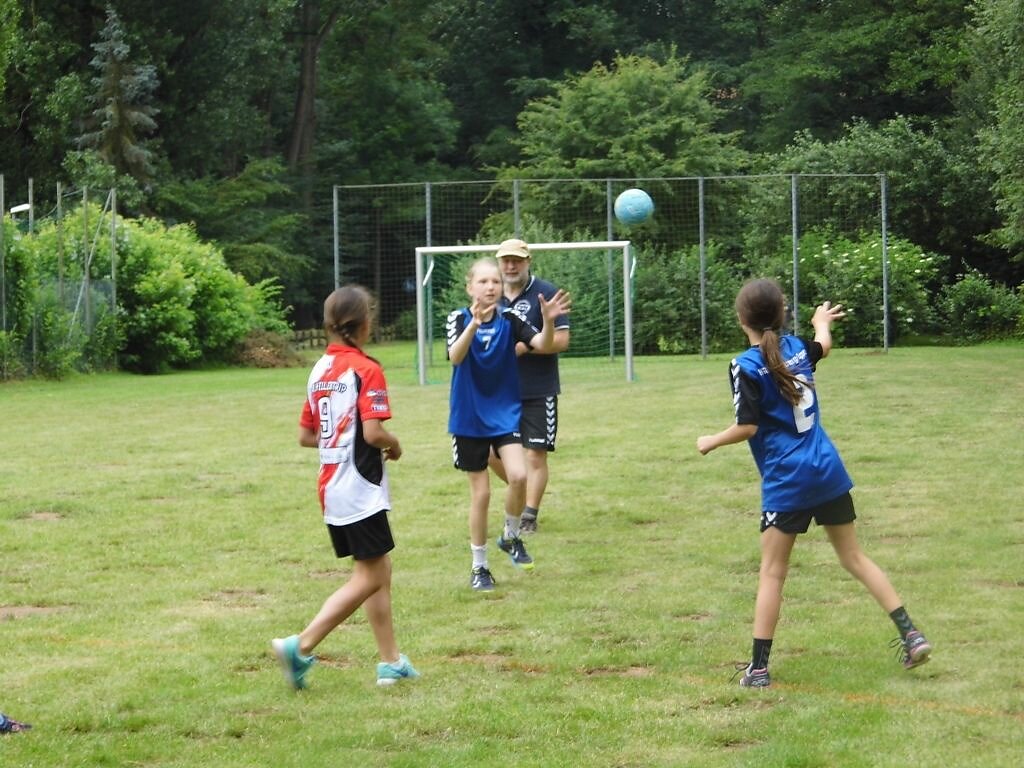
602	295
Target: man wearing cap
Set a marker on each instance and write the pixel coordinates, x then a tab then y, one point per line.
539	385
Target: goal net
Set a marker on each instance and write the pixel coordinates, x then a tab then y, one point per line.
598	276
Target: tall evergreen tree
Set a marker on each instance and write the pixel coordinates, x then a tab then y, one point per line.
122	110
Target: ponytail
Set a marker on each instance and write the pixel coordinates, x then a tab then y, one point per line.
787	382
760	304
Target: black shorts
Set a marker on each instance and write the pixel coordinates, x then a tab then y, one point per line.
538	424
470	453
837	511
364	539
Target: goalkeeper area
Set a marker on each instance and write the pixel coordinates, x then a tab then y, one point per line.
598	276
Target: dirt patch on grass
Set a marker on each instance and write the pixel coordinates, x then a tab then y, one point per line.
12	612
45	516
630	671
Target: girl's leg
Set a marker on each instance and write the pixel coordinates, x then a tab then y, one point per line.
861	567
363	583
513	458
378	608
479	501
776	547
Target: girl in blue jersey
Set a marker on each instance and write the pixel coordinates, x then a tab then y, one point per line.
485	405
802	476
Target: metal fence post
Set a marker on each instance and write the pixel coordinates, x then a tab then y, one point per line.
517	224
337	237
885	262
609	212
703	270
796	253
3	255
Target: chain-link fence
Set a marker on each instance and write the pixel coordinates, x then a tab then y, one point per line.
57	312
705	235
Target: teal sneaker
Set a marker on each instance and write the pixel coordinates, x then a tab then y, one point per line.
516	551
389	674
293	663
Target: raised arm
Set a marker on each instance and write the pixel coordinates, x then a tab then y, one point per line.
822	321
459	348
545	341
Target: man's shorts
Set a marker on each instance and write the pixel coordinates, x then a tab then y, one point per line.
470	453
538	424
364	539
837	511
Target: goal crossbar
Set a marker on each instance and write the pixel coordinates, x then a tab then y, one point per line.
425	270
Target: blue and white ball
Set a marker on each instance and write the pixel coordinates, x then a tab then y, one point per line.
634	206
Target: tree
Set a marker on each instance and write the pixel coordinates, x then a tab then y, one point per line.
10	13
998	47
252	219
637	117
823	64
934	195
122	111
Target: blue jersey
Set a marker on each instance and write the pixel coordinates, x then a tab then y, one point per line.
800	467
484	399
538	374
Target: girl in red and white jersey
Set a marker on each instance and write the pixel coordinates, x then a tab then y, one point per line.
343	417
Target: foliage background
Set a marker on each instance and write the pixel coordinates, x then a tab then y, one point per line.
244	116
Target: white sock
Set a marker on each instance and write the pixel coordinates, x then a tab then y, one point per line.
479	555
512	526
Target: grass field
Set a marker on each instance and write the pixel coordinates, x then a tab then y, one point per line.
156	532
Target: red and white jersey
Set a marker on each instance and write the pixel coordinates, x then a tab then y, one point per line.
346	388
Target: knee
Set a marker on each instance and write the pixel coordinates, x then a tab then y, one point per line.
774	571
517	481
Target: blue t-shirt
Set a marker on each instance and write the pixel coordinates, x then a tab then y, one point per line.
538	374
800	467
484	399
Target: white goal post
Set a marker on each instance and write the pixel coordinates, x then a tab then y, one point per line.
425	267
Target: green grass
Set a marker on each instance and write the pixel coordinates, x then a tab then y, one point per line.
156	532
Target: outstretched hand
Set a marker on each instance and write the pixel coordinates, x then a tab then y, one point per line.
560	304
826	313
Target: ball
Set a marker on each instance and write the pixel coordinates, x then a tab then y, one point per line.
634	206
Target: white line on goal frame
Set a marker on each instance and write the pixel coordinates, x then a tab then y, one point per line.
423	273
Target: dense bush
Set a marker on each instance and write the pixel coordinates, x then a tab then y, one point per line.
177	303
668	316
976	309
849	271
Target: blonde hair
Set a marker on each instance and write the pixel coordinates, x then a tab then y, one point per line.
482	261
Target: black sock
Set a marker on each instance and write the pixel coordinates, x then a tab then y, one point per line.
530	513
902	621
762	648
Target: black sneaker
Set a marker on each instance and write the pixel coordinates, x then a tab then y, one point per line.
11	726
481	580
754	678
912	650
516	551
528	525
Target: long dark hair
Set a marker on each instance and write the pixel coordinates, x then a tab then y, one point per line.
761	306
346	310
